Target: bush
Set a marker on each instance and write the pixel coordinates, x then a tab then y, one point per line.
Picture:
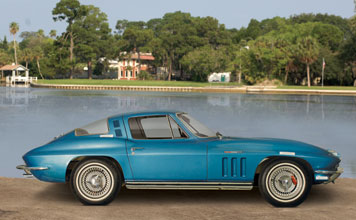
144	75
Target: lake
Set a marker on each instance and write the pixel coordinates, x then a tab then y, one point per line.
31	117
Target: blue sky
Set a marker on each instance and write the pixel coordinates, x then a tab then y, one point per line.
35	14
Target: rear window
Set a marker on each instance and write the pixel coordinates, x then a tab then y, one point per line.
97	127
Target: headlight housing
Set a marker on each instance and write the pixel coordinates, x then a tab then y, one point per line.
334	153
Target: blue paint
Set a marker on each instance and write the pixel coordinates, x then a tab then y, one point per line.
188	159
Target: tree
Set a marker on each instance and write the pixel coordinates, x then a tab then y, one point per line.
53	33
93	36
38	54
70	11
204	61
307	52
4	57
178	37
14	28
4	44
137	37
27	56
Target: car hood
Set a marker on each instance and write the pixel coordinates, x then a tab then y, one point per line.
268	145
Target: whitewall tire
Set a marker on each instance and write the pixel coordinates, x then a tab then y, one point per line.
95	182
284	183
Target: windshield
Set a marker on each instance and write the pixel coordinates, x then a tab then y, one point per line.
97	127
195	126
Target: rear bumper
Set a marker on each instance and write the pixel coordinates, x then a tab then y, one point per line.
327	176
29	169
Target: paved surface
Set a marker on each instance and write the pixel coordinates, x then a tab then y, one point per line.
31	199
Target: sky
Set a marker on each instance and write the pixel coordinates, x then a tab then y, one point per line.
33	15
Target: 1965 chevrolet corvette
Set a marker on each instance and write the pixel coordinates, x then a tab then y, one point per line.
171	150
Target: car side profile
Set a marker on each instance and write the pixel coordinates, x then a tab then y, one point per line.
172	150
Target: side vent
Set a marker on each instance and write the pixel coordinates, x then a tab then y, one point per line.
118	131
243	167
233	167
224	167
116	123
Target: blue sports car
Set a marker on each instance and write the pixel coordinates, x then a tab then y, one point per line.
172	150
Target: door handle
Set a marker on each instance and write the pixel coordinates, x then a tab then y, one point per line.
136	148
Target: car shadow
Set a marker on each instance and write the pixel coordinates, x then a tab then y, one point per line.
319	195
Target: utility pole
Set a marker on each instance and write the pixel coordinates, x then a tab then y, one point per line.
240	74
355	6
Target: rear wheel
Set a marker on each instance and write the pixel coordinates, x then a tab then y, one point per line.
95	182
284	183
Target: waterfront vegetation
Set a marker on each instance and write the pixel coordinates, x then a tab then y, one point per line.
173	84
290	50
319	87
133	83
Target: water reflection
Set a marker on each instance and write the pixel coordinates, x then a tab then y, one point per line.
31	117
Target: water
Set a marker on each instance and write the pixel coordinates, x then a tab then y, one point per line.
31	117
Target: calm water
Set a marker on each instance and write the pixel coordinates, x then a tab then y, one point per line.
31	117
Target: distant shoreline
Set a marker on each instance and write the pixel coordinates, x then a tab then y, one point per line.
207	89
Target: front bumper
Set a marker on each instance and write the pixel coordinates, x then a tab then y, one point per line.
327	176
27	170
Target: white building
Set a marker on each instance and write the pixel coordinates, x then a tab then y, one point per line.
219	77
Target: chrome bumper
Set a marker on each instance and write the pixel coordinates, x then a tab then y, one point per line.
328	175
27	170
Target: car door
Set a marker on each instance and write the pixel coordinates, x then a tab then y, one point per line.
160	150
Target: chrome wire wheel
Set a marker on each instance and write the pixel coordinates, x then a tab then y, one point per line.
285	182
95	181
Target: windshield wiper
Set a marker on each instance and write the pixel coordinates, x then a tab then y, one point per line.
219	135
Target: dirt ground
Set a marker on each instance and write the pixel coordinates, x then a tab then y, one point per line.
32	199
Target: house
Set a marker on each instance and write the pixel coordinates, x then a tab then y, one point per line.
128	65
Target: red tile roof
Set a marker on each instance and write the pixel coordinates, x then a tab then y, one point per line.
142	57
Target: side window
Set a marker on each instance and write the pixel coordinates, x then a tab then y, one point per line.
156	127
176	130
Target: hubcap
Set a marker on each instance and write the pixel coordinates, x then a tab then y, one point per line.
95	181
285	182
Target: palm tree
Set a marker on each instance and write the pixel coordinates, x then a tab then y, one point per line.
53	33
14	28
38	54
27	56
308	52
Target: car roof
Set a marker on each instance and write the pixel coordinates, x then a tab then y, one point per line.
145	113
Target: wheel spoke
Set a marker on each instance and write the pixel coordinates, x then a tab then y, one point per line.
95	181
284	182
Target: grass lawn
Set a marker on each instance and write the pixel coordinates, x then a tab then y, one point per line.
170	83
132	82
319	87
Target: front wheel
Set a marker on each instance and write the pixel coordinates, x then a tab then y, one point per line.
284	183
95	182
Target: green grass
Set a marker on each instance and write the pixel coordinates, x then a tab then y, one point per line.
133	83
319	87
170	83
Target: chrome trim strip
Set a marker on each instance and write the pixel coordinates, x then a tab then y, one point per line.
187	183
26	168
190	187
333	175
339	170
